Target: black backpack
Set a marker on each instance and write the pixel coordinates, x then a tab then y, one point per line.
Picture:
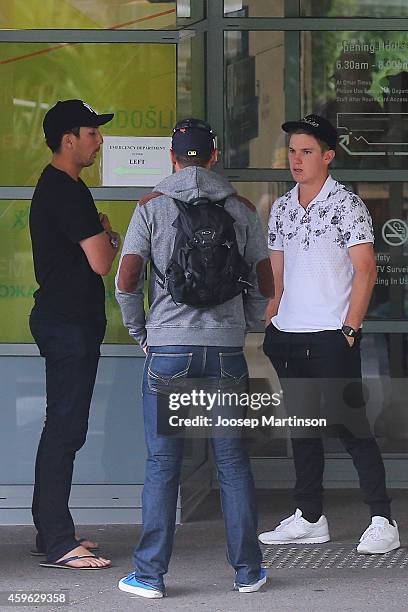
206	267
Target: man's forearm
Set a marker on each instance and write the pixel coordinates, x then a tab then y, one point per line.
273	306
278	264
361	290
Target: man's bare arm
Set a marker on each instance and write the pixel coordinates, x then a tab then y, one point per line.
129	273
365	274
277	263
99	252
264	276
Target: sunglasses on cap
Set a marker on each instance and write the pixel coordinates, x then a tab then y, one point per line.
198	124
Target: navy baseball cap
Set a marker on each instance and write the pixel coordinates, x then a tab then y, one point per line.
193	138
316	126
67	114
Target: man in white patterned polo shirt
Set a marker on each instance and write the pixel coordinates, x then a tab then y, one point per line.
321	250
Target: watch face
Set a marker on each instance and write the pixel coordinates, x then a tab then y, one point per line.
348	331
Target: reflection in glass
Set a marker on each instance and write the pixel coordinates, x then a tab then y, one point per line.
254	8
254	70
190	79
388	206
359	81
135	81
105	459
92	14
262	196
17	281
353	8
385	367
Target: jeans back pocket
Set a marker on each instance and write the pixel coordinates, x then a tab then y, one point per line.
164	369
233	366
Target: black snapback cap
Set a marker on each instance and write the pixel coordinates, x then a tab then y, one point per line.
316	126
193	138
67	114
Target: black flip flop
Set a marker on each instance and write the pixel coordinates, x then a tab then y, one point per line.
63	564
41	553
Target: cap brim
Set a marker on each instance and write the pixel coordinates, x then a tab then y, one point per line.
290	126
102	119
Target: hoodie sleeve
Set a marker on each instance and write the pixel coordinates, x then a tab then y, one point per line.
137	242
256	254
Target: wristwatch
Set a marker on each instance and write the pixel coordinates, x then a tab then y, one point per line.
349	331
114	240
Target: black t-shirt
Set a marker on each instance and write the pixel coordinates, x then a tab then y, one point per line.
63	213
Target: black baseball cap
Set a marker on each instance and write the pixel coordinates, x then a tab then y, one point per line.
316	126
193	138
67	114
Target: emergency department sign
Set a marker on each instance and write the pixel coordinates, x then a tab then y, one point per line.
135	161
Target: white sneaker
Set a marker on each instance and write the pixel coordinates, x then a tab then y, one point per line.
297	530
255	586
379	537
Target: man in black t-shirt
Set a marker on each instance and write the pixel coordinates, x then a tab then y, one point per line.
73	246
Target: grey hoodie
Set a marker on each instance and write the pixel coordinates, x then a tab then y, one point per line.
151	235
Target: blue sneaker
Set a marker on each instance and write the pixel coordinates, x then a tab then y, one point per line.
131	584
255	586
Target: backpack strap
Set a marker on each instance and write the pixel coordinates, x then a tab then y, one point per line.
246	202
160	280
148	197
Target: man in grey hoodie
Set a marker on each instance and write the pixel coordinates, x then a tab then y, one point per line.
184	341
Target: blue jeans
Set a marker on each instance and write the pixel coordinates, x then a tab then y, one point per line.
164	458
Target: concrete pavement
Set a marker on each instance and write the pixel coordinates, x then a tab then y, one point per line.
200	577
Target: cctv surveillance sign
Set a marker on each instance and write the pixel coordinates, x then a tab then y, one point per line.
135	161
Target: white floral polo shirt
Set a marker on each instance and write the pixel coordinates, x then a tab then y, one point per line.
317	267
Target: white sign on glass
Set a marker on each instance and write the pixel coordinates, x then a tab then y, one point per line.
135	161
